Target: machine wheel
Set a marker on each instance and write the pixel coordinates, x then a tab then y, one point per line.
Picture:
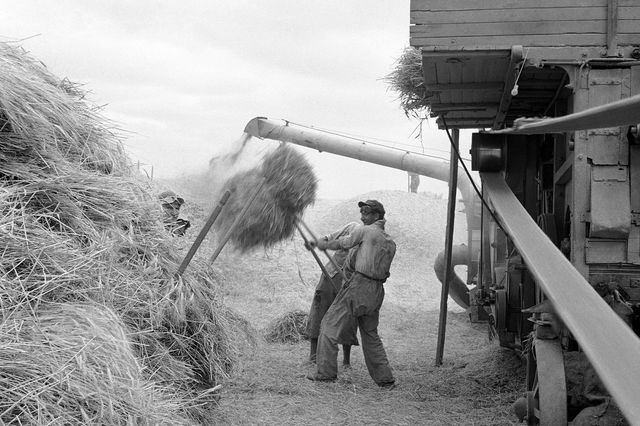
546	384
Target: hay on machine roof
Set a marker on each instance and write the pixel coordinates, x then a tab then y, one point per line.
407	80
87	273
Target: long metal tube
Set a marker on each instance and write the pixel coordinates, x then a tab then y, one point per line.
265	128
458	290
608	342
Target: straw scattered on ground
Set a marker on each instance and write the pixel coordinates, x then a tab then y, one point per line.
288	328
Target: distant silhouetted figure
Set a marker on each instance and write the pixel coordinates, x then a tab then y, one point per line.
414	182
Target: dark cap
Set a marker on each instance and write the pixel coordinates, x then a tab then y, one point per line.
169	197
375	206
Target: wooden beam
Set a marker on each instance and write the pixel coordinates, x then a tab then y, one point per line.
535	40
472	106
445	87
457	5
546	55
448	272
521	15
482	52
532	13
513	28
511	73
612	28
466	123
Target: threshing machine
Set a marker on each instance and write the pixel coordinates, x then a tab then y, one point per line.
553	244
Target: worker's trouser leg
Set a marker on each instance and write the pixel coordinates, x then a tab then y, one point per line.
374	354
346	354
323	297
313	348
327	357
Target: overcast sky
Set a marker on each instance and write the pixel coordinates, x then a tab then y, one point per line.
184	77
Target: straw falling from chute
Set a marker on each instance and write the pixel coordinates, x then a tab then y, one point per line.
290	187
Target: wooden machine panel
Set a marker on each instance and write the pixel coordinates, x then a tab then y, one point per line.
543	23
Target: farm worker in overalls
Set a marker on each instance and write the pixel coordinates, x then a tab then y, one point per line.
325	293
358	303
171	204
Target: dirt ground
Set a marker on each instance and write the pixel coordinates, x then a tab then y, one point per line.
476	384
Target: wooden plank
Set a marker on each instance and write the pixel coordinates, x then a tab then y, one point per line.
444	53
475	126
469	117
454	5
612	27
471	106
608	342
488	86
535	53
457	67
519	15
508	28
535	95
568	40
466	123
509	81
578	200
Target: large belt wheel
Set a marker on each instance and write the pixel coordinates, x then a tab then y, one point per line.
546	384
501	316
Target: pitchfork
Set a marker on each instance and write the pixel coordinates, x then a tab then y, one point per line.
315	255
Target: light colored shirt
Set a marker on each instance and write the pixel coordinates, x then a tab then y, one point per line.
339	255
375	249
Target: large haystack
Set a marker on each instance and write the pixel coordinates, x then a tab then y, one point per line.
95	329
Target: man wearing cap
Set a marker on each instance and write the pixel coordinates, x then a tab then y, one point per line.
326	292
358	303
171	204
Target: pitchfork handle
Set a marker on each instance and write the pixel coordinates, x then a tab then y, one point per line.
315	256
331	259
236	222
203	233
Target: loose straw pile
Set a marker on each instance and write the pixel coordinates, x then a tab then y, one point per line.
95	329
289	328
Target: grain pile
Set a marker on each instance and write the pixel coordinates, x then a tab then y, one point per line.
289	187
94	327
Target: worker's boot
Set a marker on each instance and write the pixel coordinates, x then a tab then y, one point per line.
346	356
